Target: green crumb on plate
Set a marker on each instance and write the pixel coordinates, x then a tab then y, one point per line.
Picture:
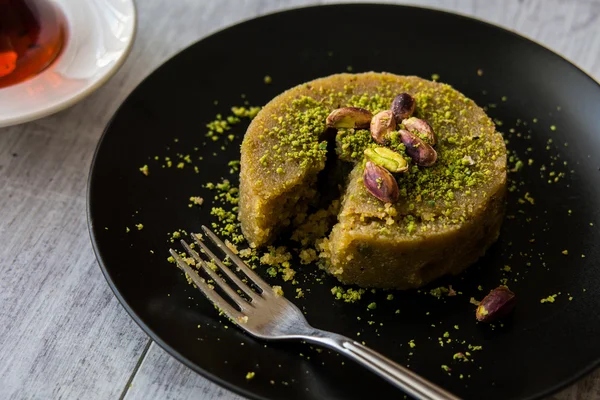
250	375
144	170
518	166
139	226
390	296
235	166
349	296
372	306
277	290
439	292
196	200
549	299
267	79
565	252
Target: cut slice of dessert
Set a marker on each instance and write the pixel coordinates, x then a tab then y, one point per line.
425	197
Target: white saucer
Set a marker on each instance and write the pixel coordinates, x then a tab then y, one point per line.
100	35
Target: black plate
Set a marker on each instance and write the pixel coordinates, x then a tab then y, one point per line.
543	347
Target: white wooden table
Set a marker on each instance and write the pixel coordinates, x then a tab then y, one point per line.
62	332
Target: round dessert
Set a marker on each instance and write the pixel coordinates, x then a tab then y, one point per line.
425	193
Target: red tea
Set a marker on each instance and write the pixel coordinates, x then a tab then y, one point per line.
32	35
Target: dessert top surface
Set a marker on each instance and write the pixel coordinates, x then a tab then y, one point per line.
285	142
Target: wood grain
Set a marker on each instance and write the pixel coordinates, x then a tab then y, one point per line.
162	377
62	332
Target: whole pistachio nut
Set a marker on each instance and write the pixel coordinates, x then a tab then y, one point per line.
403	106
387	159
349	117
382	125
380	183
497	304
420	126
417	149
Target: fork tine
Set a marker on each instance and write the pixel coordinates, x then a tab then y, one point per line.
225	269
258	281
213	296
241	302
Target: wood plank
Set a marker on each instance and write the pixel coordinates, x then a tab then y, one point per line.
62	332
180	382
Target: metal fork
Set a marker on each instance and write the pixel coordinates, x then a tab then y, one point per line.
272	317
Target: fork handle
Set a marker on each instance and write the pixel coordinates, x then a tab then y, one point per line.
396	374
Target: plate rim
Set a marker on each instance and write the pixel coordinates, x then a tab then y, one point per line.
180	357
73	99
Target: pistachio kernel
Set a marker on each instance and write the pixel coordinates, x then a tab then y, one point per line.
382	125
421	127
387	159
403	106
417	149
349	117
497	304
380	183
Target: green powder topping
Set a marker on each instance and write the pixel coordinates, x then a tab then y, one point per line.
351	143
298	133
465	158
469	157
